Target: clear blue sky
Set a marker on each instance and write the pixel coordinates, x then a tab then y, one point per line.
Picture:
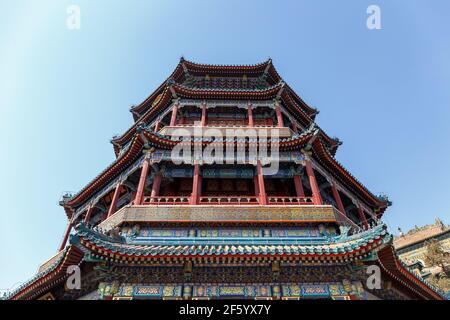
64	94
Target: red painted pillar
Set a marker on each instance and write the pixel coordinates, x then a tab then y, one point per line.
261	186
140	189
66	236
88	214
195	185
362	217
157	125
113	206
250	115
299	186
317	199
337	198
279	116
203	121
156	184
255	181
173	119
199	188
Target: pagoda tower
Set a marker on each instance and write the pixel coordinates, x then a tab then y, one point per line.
225	187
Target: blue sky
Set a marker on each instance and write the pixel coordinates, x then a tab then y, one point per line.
64	94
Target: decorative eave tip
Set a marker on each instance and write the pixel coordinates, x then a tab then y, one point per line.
170	82
141	127
282	85
337	141
313	127
384	198
170	85
65	198
113	140
132	109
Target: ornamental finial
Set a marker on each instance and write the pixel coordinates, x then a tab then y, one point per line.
141	127
170	82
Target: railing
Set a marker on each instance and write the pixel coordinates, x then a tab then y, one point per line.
172	200
172	130
290	200
229	200
225	125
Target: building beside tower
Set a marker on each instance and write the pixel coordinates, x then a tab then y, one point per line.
413	248
199	226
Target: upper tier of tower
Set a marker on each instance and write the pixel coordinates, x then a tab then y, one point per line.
195	83
207	98
195	76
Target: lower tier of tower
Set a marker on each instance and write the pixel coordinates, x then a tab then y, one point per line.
239	281
213	261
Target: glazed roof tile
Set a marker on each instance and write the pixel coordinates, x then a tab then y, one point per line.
337	245
54	272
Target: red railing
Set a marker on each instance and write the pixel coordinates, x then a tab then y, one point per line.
172	200
290	200
229	200
223	125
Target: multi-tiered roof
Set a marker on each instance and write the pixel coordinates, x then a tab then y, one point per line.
256	82
119	220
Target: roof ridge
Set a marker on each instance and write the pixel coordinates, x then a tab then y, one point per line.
266	62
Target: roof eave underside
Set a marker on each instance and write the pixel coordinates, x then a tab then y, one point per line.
178	90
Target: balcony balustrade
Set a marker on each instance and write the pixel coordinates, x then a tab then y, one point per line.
229	200
166	200
289	201
193	130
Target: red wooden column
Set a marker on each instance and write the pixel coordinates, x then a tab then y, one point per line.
88	214
173	119
362	217
113	206
256	182
280	123
199	187
261	186
250	115
140	189
337	198
156	184
195	185
317	199
203	121
157	125
66	236
298	186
